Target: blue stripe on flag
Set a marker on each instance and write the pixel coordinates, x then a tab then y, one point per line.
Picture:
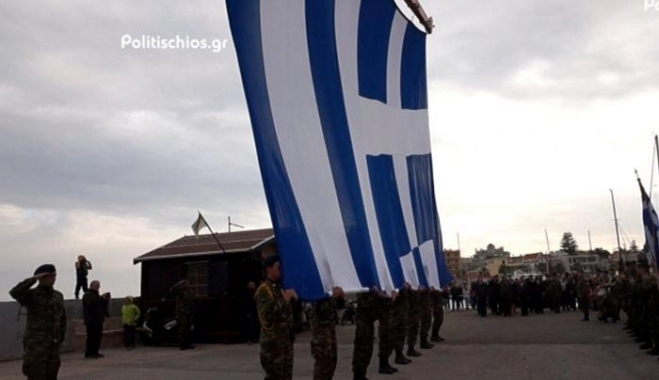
423	280
298	264
419	169
413	82
445	276
651	225
389	212
323	55
424	208
375	21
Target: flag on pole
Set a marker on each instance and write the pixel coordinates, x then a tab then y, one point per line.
199	224
651	225
337	95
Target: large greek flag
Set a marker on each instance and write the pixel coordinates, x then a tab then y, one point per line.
651	225
337	95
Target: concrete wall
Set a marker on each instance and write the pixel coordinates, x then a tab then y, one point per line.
11	329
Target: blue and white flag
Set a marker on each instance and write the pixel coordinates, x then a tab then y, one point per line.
651	225
337	95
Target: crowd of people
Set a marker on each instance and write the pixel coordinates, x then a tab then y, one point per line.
602	292
405	318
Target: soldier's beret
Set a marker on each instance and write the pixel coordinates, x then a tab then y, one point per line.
270	261
45	268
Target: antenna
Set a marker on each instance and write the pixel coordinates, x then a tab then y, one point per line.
233	224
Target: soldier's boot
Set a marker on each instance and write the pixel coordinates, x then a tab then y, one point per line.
645	346
653	352
425	344
384	367
359	377
437	339
401	359
412	352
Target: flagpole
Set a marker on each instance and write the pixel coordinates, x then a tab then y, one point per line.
656	149
212	233
615	220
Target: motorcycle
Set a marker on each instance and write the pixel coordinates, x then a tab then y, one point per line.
158	329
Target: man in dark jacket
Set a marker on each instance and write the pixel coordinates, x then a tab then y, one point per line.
481	291
95	309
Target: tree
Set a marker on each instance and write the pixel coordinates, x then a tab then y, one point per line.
601	252
568	244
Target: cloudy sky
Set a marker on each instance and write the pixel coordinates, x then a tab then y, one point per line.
537	110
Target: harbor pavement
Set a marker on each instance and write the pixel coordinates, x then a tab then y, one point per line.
541	347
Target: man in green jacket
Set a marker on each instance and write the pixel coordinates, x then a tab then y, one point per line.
46	323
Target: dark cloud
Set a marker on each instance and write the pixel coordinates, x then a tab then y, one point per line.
579	49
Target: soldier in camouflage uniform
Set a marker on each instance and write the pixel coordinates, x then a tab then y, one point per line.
648	311
386	334
46	323
425	303
365	317
401	323
437	299
184	312
276	315
323	336
414	318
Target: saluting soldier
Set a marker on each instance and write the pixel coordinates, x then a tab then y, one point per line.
276	315
46	323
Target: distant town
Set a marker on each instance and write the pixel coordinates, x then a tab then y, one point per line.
494	260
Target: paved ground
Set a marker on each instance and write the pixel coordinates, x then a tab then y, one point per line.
537	347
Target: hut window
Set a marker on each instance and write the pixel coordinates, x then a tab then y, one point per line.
197	274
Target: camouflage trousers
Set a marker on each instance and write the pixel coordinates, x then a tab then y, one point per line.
414	318
277	358
324	352
385	329
364	336
400	323
426	321
41	361
183	325
437	319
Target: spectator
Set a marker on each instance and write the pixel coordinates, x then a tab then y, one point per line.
83	266
95	309
130	314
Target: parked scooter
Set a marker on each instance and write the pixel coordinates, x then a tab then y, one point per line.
158	329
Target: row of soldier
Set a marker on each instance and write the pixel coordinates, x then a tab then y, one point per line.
639	298
532	294
405	318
